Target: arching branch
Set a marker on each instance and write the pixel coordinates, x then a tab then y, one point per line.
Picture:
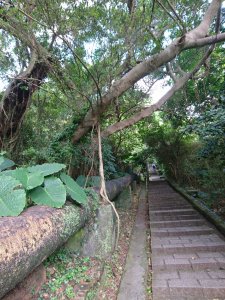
192	39
148	111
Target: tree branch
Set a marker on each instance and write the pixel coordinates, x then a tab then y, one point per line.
171	16
189	40
146	112
177	16
170	72
201	42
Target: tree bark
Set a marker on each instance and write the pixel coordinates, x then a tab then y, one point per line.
147	111
30	238
17	97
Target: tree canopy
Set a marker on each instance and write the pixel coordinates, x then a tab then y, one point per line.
70	65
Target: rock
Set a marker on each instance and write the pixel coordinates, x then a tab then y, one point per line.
97	238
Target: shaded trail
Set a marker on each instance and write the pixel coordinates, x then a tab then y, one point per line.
188	253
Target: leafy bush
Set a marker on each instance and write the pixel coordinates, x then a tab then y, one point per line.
39	183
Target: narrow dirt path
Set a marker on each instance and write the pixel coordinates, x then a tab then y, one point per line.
188	253
133	284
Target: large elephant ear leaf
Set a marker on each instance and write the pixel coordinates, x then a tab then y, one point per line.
47	169
5	163
52	194
28	180
12	197
75	191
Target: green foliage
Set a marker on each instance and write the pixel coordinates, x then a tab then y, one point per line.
94	181
85	158
29	180
52	194
81	179
210	127
192	155
5	163
12	196
106	41
35	183
69	270
70	292
47	169
89	181
73	189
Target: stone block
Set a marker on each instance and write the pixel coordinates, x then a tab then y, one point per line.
97	238
134	187
124	200
75	242
100	237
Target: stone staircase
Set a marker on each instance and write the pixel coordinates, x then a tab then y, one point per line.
188	253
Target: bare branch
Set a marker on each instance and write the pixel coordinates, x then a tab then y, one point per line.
152	12
169	14
177	16
170	72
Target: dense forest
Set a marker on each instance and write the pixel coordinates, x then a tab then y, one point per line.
71	68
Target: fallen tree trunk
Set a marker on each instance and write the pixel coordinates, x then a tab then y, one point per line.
116	186
27	240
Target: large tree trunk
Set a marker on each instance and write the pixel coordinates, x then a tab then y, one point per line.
17	97
27	240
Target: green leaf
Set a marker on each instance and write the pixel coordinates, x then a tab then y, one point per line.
95	181
5	163
47	169
12	198
28	180
81	180
73	189
7	173
52	194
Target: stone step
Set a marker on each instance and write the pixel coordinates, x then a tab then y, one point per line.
188	262
211	281
168	207
166	201
173	217
179	274
191	239
188	254
181	231
187	211
187	247
180	223
194	290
